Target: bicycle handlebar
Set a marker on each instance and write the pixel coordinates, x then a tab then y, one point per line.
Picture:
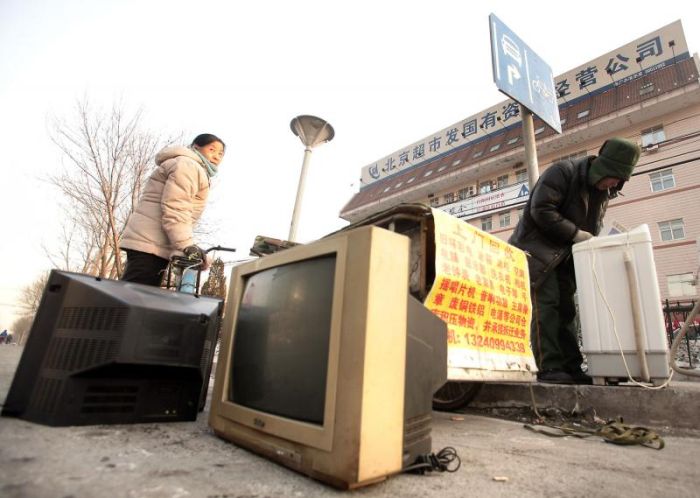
194	261
220	248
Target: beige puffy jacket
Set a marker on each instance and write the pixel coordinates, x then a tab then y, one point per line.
171	203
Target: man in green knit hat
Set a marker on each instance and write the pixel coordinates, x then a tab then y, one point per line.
566	206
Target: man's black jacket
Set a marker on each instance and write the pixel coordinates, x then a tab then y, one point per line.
561	203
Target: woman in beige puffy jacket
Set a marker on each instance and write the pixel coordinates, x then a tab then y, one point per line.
171	203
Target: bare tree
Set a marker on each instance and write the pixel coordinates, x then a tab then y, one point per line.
215	285
21	327
108	158
29	303
31	294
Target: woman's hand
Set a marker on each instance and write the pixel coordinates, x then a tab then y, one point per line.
194	252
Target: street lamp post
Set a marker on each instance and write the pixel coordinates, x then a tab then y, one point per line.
312	131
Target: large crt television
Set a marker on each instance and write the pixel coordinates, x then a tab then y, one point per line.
104	351
326	364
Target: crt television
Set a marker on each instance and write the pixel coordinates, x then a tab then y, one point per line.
105	351
326	364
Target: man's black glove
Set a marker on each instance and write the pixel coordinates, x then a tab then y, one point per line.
194	252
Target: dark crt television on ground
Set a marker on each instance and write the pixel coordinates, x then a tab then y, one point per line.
326	364
109	352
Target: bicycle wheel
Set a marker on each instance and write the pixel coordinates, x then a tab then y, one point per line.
454	395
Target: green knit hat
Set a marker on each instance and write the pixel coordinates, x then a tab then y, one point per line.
617	158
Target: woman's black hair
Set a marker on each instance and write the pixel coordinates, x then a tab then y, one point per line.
206	139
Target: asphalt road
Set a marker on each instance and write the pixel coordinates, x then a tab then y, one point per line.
499	459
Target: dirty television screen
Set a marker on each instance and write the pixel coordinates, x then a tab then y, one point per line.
327	364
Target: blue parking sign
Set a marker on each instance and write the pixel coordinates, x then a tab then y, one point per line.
522	75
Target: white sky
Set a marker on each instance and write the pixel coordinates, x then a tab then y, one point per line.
383	73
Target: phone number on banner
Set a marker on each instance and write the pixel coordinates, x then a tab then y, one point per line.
480	341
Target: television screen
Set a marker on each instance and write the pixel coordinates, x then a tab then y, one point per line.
280	351
104	351
327	364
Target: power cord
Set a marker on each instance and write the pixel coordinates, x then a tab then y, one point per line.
446	460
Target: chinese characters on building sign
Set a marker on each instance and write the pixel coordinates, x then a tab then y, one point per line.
473	207
642	56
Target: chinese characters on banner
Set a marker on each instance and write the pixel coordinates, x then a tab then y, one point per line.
482	292
639	57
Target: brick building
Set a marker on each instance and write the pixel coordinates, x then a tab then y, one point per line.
647	91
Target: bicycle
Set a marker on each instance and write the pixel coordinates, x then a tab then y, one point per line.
184	272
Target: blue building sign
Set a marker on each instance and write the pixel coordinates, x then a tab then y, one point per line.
522	75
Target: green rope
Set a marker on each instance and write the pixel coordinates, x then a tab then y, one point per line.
614	431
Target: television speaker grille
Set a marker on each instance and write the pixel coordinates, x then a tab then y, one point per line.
417	429
93	318
47	394
206	359
110	399
76	353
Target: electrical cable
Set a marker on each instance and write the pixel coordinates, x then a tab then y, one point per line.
647	163
446	460
678	163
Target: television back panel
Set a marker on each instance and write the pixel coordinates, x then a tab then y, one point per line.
106	351
426	372
120	394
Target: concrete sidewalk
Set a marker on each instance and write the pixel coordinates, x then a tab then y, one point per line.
499	457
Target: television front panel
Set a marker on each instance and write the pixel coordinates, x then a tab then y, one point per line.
312	366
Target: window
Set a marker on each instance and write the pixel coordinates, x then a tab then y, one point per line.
478	154
583	114
653	135
463	193
487	223
485	187
449	198
672	229
662	180
456	162
502	181
495	147
398	185
434	201
520	212
410	179
513	140
428	173
504	220
570	157
646	88
562	122
520	175
442	168
681	285
539	130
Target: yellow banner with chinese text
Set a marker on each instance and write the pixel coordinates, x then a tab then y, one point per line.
481	291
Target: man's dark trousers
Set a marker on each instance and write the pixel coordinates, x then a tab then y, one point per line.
553	330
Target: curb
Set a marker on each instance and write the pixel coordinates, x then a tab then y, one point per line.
673	407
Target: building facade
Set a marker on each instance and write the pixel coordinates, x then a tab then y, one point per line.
647	91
